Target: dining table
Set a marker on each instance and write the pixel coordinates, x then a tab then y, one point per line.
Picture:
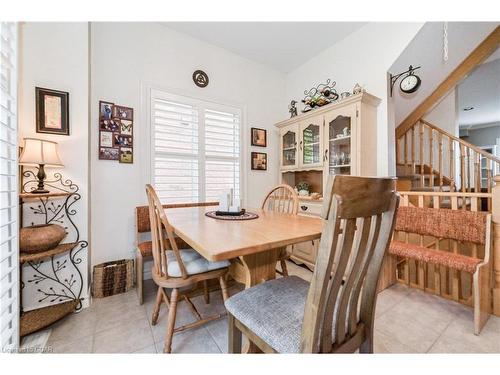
253	246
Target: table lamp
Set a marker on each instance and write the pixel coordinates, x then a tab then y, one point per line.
42	153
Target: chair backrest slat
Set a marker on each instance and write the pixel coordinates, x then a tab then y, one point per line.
283	199
360	220
162	234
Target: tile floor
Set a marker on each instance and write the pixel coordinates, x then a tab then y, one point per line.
407	321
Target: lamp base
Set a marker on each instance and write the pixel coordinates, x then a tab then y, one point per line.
40	176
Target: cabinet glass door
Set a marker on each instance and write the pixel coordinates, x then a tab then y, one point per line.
310	144
289	148
339	145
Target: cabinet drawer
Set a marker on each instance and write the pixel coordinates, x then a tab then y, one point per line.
308	208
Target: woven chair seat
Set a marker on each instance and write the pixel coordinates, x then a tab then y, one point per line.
146	248
439	257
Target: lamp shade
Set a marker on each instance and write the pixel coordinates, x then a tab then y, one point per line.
39	151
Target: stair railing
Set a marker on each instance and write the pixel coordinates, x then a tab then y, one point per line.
439	159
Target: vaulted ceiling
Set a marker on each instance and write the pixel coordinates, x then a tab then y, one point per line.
281	45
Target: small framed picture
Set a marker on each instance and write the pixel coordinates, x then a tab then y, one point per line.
259	161
126	127
106	153
123	113
122	140
105	110
105	139
52	111
259	137
126	155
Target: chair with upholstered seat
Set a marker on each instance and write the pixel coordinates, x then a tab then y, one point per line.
335	312
175	268
144	246
284	199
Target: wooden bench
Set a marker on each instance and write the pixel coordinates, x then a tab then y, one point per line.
464	227
144	246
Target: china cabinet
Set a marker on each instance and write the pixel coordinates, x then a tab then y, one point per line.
339	138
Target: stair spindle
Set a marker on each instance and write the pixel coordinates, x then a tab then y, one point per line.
440	166
421	156
431	154
413	168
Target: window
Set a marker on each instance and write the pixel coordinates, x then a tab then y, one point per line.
196	148
9	263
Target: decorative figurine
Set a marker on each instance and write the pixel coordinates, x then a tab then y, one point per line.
345	94
357	89
292	108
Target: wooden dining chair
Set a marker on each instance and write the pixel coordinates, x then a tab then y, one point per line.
175	268
282	198
335	312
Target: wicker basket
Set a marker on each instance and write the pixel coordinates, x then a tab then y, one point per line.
113	278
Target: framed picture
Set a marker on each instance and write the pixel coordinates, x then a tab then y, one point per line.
116	130
126	127
105	139
259	161
123	113
259	137
122	140
52	111
106	153
105	110
126	155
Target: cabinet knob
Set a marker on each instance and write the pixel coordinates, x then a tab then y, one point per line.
300	145
304	208
325	158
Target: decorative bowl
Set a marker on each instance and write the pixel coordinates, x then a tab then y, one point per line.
38	238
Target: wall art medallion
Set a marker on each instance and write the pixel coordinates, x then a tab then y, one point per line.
200	78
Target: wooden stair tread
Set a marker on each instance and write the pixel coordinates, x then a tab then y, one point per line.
59	249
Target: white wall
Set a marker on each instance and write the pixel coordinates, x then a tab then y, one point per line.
126	58
426	50
55	56
445	114
363	57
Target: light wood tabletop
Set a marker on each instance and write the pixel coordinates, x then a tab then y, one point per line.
226	239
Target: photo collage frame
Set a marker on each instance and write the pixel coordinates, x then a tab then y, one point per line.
116	132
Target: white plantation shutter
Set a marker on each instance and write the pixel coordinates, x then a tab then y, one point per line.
195	148
222	153
175	137
9	263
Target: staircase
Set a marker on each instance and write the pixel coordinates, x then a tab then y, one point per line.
430	159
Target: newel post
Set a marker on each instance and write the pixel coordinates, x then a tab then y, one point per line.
496	245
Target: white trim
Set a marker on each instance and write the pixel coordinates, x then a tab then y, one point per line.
145	161
180	95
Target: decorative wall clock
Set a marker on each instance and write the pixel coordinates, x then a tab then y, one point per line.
410	82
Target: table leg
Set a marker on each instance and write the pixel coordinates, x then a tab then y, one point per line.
252	270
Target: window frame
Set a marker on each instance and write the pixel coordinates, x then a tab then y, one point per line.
201	103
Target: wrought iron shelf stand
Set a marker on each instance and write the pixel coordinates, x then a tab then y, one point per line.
66	293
